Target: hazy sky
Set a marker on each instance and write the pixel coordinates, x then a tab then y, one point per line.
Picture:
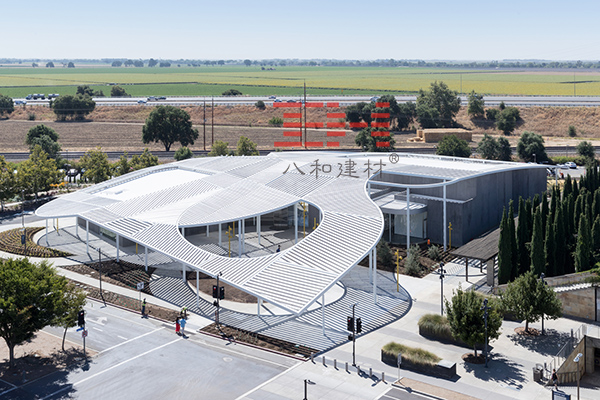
350	29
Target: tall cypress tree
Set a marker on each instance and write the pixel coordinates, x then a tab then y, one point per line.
529	208
568	189
514	271
579	209
545	210
550	249
596	237
536	203
570	231
504	256
583	250
575	188
553	201
596	203
538	261
560	241
523	237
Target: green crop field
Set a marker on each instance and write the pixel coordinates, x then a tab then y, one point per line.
201	81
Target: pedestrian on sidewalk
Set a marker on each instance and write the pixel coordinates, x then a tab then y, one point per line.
555	379
278	248
182	323
177	326
144	308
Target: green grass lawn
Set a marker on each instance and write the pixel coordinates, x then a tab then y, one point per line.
198	81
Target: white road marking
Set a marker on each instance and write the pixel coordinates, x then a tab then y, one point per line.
67	340
110	368
130	340
121	337
267	382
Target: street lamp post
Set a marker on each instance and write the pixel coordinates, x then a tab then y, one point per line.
23	222
576	360
542	276
306	383
485	309
442	271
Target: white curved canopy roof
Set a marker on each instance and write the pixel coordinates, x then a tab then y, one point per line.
149	206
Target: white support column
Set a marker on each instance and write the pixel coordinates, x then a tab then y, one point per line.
259	306
258	228
375	275
243	232
323	313
369	189
444	228
197	289
207	230
371	266
146	258
183	272
220	235
87	236
183	231
240	238
46	231
295	223
118	248
407	219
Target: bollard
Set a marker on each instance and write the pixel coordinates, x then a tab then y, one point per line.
312	357
358	369
383	377
335	363
346	367
370	372
324	363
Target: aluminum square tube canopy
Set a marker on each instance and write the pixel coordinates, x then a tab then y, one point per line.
151	205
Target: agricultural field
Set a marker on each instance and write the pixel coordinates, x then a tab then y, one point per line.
201	81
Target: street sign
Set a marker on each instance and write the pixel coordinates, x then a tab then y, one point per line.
556	395
84	333
399	360
140	286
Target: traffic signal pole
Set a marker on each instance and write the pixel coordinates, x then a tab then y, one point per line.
353	335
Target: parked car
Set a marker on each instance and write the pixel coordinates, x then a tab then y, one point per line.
277	101
151	98
571	165
29	97
17	102
53	95
141	101
161	98
40	96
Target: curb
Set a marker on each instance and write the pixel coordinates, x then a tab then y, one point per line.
399	386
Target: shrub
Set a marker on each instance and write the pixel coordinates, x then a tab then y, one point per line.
384	254
276	121
232	92
260	105
183	153
412	354
412	265
492	114
434	252
435	325
31	116
572	131
563	159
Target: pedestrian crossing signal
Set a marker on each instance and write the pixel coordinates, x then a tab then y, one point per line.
215	292
81	318
221	292
351	324
358	325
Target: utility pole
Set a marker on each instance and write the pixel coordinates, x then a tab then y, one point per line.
442	272
204	124
304	104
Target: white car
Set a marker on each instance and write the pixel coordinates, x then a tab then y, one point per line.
571	165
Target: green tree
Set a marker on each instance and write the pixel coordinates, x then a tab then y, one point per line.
523	238
585	149
7	106
145	160
538	262
70	65
167	125
49	146
50	64
367	142
550	248
583	251
219	148
528	298
465	317
488	147
451	145
440	98
504	252
73	301
32	296
96	165
384	253
45	137
245	147
37	173
76	107
8	184
247	63
506	120
504	149
86	90
491	114
476	105
530	144
260	105
116	63
118	91
232	92
560	241
595	239
183	153
407	114
514	272
122	166
572	132
152	63
428	117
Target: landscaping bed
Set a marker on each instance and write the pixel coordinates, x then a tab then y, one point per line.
436	327
120	273
418	360
10	242
256	339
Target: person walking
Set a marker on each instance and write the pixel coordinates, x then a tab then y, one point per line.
555	379
278	248
182	323
177	326
144	308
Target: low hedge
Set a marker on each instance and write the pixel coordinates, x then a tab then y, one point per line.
411	354
437	327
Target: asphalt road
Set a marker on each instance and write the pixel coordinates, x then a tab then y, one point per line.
523	101
143	358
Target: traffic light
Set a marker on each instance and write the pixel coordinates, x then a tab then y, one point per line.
358	325
215	292
221	292
81	318
351	324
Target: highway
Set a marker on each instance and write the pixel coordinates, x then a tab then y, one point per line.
520	101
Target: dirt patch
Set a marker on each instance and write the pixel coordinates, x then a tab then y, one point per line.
471	359
256	339
39	357
118	273
531	332
427	264
206	282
